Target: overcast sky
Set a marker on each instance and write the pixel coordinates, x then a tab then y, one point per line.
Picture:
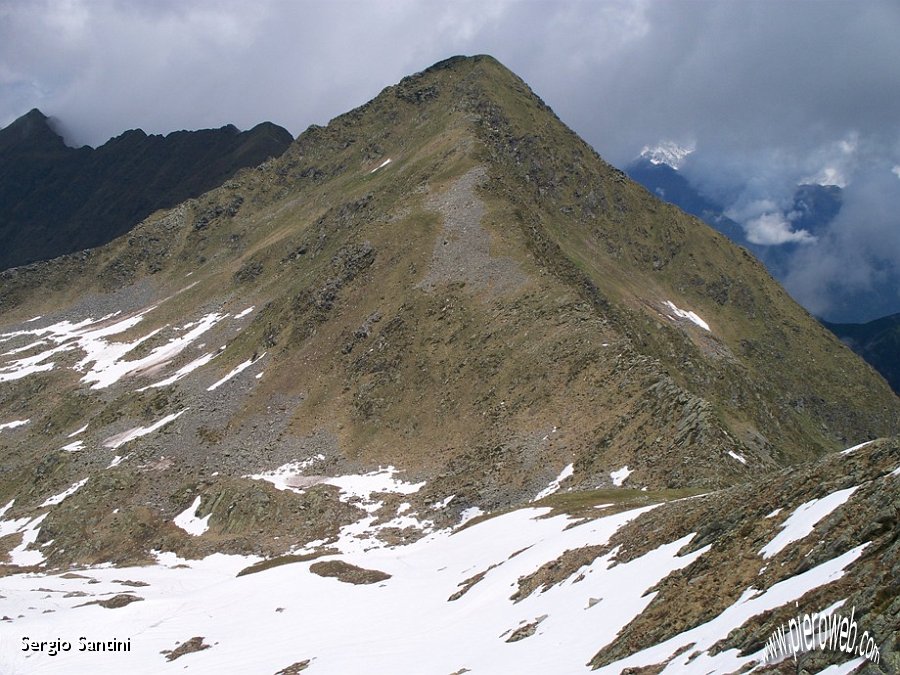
768	93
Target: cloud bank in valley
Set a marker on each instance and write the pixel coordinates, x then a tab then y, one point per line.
769	93
856	262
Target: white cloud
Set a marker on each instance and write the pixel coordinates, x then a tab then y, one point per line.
855	265
829	175
834	162
766	224
772	229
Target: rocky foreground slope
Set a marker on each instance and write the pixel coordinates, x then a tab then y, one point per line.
442	309
607	580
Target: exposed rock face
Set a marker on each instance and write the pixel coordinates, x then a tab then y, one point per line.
349	574
56	200
462	252
195	644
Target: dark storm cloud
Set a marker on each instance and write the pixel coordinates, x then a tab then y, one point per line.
106	66
770	92
733	77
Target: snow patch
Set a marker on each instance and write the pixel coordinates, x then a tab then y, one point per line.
109	367
804	518
19	350
9	374
13	424
468	514
73	447
619	477
104	361
290	476
695	644
30	528
363	486
244	313
238	369
843	668
184	370
364	534
188	521
420	633
684	314
855	448
56	499
355	489
444	503
80	431
737	457
119	440
567	471
382	165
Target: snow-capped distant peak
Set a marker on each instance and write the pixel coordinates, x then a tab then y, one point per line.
829	175
667	152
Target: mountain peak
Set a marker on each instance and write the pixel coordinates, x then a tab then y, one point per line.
455	61
34	114
668	152
481	73
30	131
459	183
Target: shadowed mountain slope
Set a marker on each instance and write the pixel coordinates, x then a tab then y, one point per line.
56	200
878	342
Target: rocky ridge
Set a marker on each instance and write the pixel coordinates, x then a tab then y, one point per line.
334	353
55	199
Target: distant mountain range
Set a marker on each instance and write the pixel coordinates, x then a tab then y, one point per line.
813	208
878	342
667	183
56	200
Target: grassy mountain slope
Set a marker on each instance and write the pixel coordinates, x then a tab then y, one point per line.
482	311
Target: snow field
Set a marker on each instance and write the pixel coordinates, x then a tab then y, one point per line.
402	625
